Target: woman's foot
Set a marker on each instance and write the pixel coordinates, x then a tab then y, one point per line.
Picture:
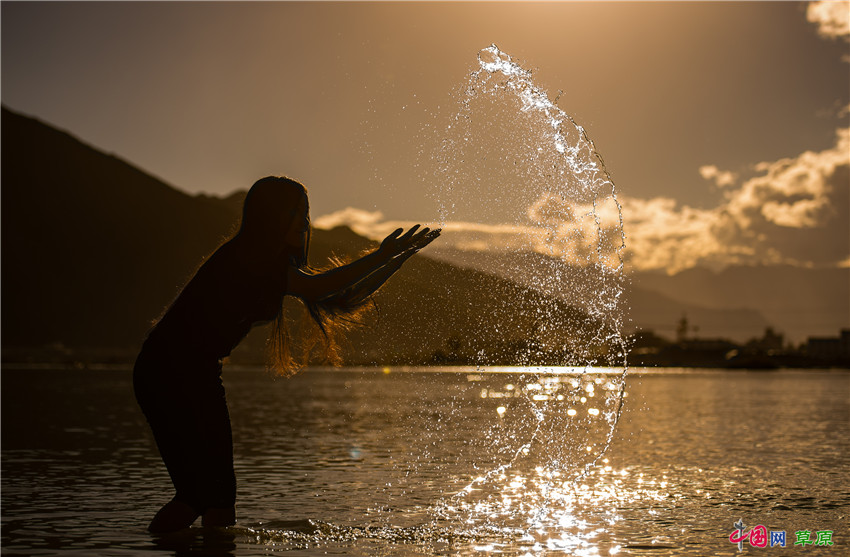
174	515
219	517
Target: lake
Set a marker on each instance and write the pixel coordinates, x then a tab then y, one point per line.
428	462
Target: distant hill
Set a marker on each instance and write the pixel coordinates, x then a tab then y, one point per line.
736	303
93	249
796	301
649	308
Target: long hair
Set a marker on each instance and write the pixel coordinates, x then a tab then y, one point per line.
269	208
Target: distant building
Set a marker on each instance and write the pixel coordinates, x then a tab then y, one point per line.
830	349
708	345
646	342
683	327
771	343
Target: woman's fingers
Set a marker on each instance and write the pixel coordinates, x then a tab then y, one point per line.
415	239
422	240
392	239
427	239
427	232
428	236
410	232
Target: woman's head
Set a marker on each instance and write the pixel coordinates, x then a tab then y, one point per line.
275	217
276	212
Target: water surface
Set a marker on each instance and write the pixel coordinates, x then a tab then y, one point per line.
364	462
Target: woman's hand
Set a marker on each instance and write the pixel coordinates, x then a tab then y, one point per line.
394	251
408	243
364	275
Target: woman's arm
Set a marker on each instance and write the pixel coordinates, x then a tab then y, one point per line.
383	262
358	292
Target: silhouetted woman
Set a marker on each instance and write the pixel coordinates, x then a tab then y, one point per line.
177	376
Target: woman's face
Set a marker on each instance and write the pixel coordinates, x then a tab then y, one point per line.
296	232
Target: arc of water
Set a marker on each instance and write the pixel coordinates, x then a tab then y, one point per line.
519	80
585	164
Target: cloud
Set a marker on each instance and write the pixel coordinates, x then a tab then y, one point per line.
721	178
358	220
551	209
456	234
662	235
796	192
794	210
832	18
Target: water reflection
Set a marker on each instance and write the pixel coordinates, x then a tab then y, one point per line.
534	514
541	511
212	542
541	436
693	454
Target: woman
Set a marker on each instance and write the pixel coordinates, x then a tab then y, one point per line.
177	376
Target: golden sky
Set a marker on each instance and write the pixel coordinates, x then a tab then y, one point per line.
723	124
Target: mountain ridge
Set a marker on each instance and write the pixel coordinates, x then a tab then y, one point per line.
94	249
647	309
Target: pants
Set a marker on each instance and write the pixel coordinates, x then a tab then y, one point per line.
187	412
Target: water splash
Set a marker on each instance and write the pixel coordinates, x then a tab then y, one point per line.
511	158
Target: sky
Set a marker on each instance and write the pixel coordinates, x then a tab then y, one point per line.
724	125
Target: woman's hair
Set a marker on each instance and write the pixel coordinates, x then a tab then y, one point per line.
271	203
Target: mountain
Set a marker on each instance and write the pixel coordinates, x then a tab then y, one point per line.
797	301
737	303
648	308
93	250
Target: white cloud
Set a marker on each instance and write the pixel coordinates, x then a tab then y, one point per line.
461	235
721	178
370	224
795	192
351	217
662	235
796	211
832	17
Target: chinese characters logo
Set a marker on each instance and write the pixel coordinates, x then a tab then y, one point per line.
759	536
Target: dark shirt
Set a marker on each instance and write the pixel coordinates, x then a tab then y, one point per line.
227	296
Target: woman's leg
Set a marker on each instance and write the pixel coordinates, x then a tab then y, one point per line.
218	517
191	425
217	473
174	515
